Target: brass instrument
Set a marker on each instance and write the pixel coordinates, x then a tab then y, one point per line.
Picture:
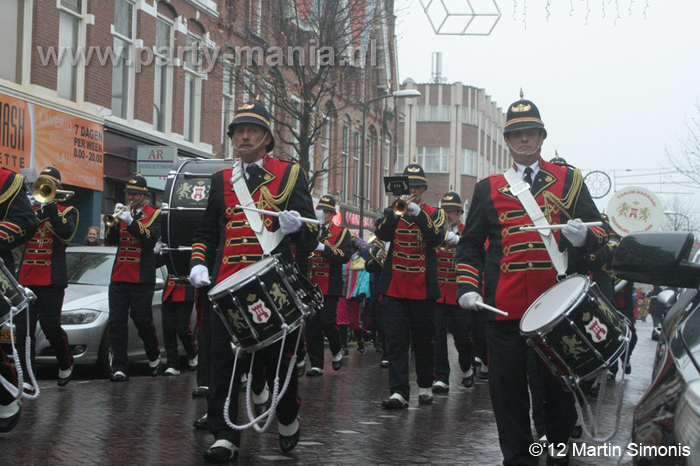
45	190
111	219
376	250
400	205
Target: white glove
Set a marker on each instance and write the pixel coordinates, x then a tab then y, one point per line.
289	221
413	209
158	247
199	276
451	238
118	206
319	217
469	300
575	231
320	247
126	217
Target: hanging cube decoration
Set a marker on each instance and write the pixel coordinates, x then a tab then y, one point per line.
462	17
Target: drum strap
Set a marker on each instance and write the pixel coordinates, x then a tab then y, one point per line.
521	190
268	240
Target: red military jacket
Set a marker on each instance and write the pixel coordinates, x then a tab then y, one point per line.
447	273
410	269
226	230
17	219
176	292
516	266
327	266
44	259
135	261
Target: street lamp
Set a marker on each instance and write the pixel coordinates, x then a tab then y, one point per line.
402	94
670	212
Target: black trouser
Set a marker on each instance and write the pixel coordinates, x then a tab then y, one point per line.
508	386
408	320
134	298
324	322
479	319
457	321
176	317
203	338
220	378
47	311
7	371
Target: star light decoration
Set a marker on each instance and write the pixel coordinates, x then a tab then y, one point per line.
462	17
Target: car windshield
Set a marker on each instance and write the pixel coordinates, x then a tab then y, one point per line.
89	268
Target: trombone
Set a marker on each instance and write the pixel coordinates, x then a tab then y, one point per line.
45	190
111	219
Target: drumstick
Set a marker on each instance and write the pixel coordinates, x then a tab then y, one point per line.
276	214
490	308
556	227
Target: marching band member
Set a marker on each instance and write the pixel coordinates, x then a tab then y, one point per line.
334	249
43	270
176	314
131	290
409	286
19	222
448	315
517	268
274	185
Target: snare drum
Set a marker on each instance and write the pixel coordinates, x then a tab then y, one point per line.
13	295
257	302
575	330
184	202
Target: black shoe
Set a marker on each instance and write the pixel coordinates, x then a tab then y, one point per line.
483	375
63	381
468	382
119	376
158	369
287	443
384	363
260	408
301	368
577	432
555	461
361	347
425	399
440	387
220	454
337	364
628	369
202	423
610	376
314	372
200	391
9	423
394	403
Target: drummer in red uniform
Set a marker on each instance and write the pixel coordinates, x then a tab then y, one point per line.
409	286
18	224
516	270
275	185
43	270
334	249
136	233
448	315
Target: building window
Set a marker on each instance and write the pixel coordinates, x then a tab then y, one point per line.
469	162
325	152
399	160
433	159
468	116
123	41
445	113
421	113
228	105
69	24
345	153
258	18
11	31
193	87
385	165
163	78
369	152
356	166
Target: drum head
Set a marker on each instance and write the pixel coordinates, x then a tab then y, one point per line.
243	276
553	303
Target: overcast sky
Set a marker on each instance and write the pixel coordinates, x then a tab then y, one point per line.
612	94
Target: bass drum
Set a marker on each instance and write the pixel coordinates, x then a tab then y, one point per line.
184	202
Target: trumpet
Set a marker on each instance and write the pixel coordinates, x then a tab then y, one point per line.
45	190
400	205
111	219
376	250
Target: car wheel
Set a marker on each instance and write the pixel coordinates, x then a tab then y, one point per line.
103	368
